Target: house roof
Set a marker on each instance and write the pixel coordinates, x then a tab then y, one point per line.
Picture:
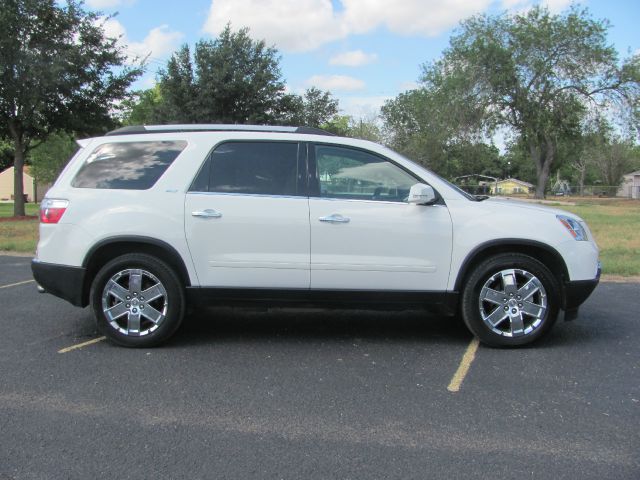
633	174
515	180
9	171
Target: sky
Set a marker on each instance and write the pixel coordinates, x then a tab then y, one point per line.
363	51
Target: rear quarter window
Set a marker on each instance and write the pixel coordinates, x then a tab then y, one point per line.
127	165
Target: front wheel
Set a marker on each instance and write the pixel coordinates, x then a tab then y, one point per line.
138	300
510	300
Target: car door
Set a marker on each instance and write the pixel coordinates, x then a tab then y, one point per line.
247	216
364	234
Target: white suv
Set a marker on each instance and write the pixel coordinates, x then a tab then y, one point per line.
147	220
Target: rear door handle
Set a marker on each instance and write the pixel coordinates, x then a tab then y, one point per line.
208	213
335	218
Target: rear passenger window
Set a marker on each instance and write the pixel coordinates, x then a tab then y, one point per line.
264	168
127	165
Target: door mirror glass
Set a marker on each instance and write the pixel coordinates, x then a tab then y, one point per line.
421	194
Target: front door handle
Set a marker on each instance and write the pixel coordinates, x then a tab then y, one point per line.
208	213
335	218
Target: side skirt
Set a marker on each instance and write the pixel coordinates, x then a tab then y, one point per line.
440	303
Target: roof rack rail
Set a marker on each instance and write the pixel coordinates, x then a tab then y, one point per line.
138	129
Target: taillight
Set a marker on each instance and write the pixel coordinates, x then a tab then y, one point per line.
52	209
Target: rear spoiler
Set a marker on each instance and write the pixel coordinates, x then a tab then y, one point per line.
83	142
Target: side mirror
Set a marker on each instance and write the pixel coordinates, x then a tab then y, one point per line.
421	194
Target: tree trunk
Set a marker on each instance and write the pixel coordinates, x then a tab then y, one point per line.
18	187
542	155
583	172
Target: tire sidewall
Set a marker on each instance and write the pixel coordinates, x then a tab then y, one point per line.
171	283
488	268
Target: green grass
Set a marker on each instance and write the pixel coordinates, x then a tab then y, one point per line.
6	209
19	236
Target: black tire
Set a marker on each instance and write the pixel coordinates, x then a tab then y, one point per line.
167	308
505	277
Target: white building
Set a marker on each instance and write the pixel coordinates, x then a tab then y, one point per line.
630	187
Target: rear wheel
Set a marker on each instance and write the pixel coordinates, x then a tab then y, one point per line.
510	300
138	300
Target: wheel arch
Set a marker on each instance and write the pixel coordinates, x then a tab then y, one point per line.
112	247
542	252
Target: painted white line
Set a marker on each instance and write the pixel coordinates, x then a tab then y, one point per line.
16	284
463	368
81	345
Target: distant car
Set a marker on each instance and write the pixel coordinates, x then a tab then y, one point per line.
147	220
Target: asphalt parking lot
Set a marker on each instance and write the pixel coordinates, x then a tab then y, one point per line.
315	394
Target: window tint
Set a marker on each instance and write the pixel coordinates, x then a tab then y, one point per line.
266	168
127	165
353	174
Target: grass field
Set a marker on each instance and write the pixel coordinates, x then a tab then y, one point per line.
19	235
6	209
614	223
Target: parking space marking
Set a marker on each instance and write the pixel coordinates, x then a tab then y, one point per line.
81	345
463	368
16	284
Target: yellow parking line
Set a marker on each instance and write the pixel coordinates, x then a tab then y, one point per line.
464	366
83	344
16	284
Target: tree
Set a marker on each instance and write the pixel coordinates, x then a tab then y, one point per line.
6	155
57	72
594	133
313	109
179	93
413	127
339	125
365	129
319	107
427	127
141	108
347	126
50	157
233	79
535	73
612	156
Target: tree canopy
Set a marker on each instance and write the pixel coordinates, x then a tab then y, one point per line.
536	74
232	79
58	72
424	125
312	109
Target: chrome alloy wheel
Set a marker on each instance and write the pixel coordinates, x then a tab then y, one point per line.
513	303
134	302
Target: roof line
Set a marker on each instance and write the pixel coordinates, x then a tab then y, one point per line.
141	129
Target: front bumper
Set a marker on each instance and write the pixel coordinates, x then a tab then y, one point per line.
61	280
576	292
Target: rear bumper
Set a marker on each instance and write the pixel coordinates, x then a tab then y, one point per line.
61	280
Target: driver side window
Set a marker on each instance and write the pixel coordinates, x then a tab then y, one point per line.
351	174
